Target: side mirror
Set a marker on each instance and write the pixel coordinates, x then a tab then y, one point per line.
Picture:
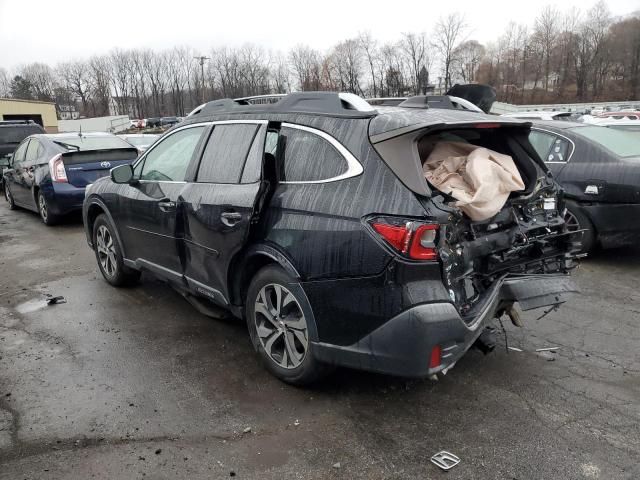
122	174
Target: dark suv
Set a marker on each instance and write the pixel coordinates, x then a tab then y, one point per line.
312	219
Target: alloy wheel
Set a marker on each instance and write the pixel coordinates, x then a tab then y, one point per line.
42	205
106	251
281	326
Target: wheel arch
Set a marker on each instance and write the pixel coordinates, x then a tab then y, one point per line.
248	262
96	207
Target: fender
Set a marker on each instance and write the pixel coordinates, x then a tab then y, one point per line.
243	260
95	200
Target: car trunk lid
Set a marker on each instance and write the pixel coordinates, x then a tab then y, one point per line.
85	167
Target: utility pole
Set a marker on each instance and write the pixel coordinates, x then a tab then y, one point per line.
202	59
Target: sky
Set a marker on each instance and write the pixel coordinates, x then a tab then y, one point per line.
51	31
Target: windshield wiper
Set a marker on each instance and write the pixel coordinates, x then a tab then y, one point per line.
68	146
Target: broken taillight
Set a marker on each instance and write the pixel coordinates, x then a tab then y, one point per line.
56	169
414	240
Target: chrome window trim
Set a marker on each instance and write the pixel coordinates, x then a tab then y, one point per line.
184	127
573	145
354	167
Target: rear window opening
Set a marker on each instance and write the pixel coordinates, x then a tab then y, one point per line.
499	140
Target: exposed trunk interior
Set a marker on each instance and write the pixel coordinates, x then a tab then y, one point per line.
527	236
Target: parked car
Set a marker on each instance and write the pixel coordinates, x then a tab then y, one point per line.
632	126
599	169
135	123
168	121
48	173
312	219
152	122
621	115
541	115
141	141
12	132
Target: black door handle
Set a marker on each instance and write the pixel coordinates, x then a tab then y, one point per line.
230	218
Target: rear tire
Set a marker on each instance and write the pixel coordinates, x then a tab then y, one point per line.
577	220
278	318
46	216
109	254
9	198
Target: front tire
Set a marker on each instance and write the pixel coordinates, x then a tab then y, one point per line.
278	318
46	216
109	254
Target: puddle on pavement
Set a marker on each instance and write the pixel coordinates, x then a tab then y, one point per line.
31	305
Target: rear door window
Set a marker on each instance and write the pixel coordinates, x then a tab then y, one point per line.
168	161
32	151
226	153
18	156
308	157
550	147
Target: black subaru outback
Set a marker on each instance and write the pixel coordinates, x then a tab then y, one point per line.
311	218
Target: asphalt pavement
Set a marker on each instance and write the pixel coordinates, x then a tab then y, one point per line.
134	383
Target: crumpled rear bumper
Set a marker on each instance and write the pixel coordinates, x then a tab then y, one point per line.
402	346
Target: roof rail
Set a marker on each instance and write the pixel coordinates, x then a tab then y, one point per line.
386	101
447	102
316	103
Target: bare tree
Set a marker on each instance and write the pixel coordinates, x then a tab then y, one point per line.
4	83
370	48
42	80
306	66
414	49
346	58
466	59
449	32
280	74
546	35
76	78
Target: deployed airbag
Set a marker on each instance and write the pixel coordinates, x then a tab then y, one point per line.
478	178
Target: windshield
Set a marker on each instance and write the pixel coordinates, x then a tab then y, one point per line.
90	143
623	144
141	141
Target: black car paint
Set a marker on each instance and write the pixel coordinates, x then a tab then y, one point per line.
616	206
353	281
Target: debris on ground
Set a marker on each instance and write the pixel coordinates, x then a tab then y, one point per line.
247	430
296	423
549	356
56	300
445	460
336	465
158	451
515	349
547	349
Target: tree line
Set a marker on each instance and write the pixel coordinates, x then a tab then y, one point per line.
572	55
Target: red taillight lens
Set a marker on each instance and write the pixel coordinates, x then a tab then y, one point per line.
416	243
436	357
56	169
397	236
423	246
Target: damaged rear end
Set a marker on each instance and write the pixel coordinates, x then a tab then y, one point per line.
521	254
